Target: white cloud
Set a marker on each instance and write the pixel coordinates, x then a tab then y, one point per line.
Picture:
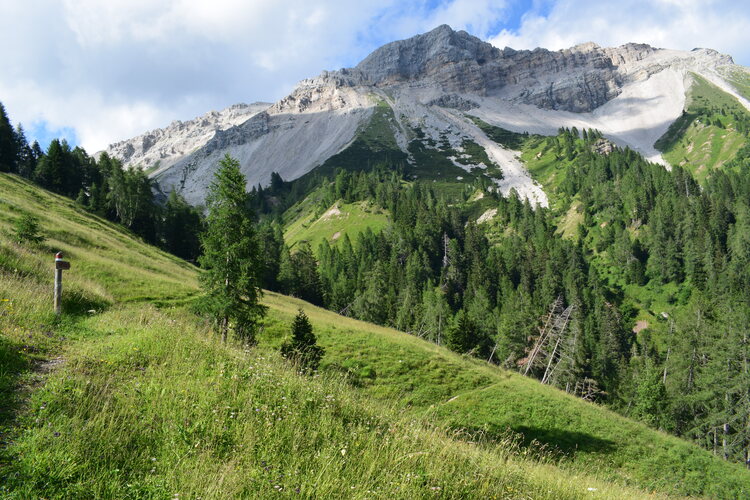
113	69
677	24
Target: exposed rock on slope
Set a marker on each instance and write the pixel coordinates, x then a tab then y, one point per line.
161	148
432	82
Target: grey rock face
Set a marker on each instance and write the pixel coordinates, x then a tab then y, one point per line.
241	134
163	147
431	82
454	101
578	79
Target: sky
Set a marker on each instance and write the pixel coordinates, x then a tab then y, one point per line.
99	71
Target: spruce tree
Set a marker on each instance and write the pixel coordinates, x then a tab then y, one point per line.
8	145
180	226
302	347
26	229
230	255
25	161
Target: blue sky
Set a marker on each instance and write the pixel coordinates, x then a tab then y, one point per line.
98	71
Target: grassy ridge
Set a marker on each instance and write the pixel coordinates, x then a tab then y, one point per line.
374	144
339	220
147	404
708	134
110	263
468	394
740	80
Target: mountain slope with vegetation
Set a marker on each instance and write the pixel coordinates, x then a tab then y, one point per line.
646	269
142	398
711	131
142	401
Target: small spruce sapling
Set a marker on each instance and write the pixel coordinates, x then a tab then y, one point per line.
302	348
26	229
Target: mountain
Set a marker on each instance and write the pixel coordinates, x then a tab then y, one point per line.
161	148
421	97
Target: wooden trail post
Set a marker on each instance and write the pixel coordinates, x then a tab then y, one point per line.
60	265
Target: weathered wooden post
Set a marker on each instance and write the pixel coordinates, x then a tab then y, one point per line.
60	264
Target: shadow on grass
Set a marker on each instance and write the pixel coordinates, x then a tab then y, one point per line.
13	364
569	443
78	304
544	442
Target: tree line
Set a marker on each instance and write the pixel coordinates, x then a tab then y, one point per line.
645	235
102	186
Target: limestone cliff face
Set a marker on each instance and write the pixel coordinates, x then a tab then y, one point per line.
431	82
163	147
579	79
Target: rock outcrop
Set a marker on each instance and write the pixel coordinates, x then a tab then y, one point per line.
159	149
431	82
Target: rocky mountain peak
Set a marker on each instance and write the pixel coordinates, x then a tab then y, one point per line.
714	54
425	86
425	55
577	79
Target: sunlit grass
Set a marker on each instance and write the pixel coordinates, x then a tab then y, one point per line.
148	404
340	220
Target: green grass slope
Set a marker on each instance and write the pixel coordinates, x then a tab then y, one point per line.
712	129
740	80
147	404
332	225
470	395
143	402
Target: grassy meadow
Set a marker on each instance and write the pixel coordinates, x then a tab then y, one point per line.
341	219
706	136
130	395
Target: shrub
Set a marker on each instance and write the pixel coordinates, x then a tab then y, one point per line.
302	348
26	229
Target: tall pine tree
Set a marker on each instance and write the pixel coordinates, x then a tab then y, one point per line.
8	146
230	255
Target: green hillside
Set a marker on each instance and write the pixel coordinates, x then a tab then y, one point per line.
143	402
374	144
339	220
712	129
740	79
473	396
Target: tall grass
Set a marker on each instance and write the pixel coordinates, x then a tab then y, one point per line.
149	405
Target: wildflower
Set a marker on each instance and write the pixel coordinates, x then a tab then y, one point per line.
343	452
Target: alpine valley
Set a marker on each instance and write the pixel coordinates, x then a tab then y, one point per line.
506	274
